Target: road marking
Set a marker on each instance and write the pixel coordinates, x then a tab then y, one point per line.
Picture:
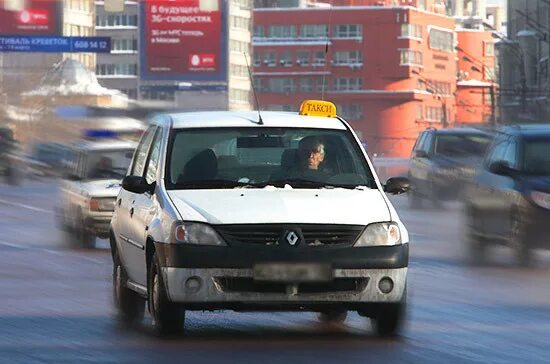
28	207
51	251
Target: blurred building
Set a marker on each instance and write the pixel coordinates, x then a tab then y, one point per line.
524	62
390	67
22	71
125	68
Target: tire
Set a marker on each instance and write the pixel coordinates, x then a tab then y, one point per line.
390	319
476	247
519	243
415	201
129	305
333	316
85	239
168	318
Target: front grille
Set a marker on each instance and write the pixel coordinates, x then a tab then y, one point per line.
249	285
273	234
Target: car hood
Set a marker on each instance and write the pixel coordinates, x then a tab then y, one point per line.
271	206
102	187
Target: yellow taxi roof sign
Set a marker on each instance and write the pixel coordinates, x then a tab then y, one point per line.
318	108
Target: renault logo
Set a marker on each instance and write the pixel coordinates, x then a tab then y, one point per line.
292	238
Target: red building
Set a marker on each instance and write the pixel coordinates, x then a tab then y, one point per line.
475	98
390	69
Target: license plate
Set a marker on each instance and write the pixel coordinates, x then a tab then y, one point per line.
282	272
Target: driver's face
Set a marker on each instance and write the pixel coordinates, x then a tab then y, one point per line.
315	157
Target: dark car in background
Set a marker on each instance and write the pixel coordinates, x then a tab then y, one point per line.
443	162
8	156
509	198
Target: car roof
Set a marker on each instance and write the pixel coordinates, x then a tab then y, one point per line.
248	119
104	145
527	130
462	131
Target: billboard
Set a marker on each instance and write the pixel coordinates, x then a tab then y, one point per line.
40	17
181	40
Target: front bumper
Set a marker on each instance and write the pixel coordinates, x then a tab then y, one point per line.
224	278
98	223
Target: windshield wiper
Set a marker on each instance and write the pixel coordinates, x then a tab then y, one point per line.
213	183
305	183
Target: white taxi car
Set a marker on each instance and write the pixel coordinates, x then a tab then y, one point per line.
89	187
228	210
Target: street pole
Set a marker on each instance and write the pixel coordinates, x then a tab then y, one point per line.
493	106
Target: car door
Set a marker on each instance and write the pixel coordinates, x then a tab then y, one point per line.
145	207
506	191
488	196
132	251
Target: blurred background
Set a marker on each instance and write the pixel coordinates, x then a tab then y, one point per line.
453	94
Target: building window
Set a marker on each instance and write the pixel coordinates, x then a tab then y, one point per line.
124	45
319	82
348	84
441	40
257	59
240	96
121	20
302	58
350	111
489	73
119	69
260	85
306	85
240	22
270	59
282	31
238	46
348	58
488	49
281	85
238	71
419	112
259	31
313	31
285	58
410	57
319	58
434	114
348	31
131	93
411	31
158	95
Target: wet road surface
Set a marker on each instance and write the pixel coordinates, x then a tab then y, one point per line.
55	304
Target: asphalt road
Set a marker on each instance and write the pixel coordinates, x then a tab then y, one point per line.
55	305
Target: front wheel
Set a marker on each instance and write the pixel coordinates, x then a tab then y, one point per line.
333	316
168	317
519	243
389	320
130	306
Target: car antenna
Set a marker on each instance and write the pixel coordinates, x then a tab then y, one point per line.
260	121
326	50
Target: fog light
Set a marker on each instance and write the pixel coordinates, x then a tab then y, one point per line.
193	284
385	285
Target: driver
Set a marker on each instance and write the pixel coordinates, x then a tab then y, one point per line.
103	168
311	154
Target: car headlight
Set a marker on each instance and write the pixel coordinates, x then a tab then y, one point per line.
197	234
102	204
380	234
541	199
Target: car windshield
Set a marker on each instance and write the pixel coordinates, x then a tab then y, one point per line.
536	157
463	145
105	164
258	157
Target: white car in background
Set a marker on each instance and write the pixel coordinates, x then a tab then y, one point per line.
89	186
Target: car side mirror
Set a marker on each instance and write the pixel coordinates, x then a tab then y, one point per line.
501	168
421	154
137	184
397	185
